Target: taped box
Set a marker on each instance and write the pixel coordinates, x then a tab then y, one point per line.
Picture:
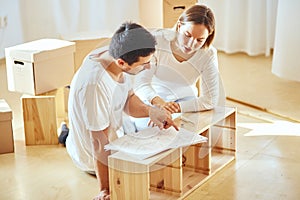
172	9
39	66
6	131
85	42
162	13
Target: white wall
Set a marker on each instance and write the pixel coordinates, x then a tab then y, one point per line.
35	19
12	34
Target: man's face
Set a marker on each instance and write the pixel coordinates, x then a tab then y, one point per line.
142	64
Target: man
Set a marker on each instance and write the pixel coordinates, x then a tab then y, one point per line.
99	94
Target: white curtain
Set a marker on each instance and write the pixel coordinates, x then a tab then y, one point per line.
95	15
54	18
287	41
241	25
244	25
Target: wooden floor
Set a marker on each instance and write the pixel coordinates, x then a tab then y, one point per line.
267	164
249	80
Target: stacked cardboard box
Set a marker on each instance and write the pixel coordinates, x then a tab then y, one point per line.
37	68
172	9
162	13
6	131
85	42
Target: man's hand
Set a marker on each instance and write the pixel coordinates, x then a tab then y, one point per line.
168	123
161	118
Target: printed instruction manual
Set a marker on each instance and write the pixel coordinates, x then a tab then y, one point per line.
151	141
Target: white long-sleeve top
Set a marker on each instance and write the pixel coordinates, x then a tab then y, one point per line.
176	81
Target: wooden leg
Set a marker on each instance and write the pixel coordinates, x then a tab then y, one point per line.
225	139
127	186
128	180
197	157
166	174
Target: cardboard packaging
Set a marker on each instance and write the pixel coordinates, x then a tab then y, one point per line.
6	131
39	66
172	9
66	98
84	47
162	13
87	42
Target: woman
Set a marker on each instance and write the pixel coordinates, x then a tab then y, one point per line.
184	55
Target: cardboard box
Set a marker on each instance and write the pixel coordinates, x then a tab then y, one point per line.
86	42
40	66
84	47
162	13
172	9
6	131
151	13
66	98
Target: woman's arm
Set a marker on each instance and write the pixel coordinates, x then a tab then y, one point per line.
209	87
142	84
136	108
171	106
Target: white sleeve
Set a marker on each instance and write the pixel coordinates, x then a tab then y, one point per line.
142	84
209	88
95	107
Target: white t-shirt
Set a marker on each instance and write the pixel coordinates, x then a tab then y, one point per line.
96	102
176	81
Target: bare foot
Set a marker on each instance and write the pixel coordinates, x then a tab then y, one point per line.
103	195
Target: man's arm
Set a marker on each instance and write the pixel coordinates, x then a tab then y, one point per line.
136	108
99	140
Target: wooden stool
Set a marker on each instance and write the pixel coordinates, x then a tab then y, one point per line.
40	124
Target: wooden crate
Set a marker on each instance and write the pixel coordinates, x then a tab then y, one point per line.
39	116
61	102
175	173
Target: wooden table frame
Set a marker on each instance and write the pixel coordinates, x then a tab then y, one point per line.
175	173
